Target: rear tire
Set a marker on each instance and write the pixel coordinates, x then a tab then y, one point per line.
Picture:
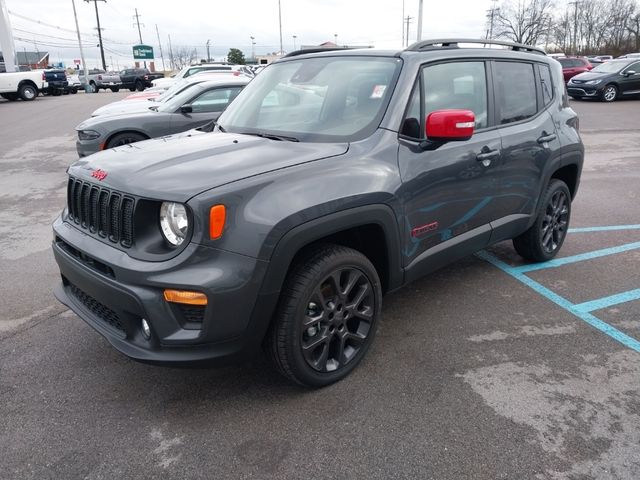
544	239
125	138
114	89
27	92
73	91
609	94
326	317
139	86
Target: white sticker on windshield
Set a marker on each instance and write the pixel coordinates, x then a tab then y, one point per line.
378	91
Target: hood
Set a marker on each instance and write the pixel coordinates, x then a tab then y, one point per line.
178	168
130	119
125	106
586	76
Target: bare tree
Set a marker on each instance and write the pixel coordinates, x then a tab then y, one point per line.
522	21
633	27
183	57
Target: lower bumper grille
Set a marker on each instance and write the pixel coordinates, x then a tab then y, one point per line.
98	309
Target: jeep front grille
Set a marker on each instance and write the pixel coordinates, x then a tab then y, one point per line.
101	211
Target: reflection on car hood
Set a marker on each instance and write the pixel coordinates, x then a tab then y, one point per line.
124	106
586	76
176	169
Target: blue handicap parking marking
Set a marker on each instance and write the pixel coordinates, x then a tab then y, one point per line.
580	310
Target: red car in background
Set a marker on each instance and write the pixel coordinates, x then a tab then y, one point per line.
572	66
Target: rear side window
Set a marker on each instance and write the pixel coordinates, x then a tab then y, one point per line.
456	85
546	83
515	92
214	100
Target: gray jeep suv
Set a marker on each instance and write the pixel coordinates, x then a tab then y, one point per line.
333	178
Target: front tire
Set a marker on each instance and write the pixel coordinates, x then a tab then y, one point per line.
139	86
327	316
114	89
544	239
125	138
609	94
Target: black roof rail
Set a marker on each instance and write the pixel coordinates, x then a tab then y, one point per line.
453	43
315	50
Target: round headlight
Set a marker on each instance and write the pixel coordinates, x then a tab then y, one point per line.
174	222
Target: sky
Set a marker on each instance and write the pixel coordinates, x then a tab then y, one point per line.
49	25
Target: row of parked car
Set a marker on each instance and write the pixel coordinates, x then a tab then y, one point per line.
603	77
27	85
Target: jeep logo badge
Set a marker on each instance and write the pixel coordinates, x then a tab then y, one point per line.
99	174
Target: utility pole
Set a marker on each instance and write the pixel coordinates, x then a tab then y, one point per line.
420	5
280	23
492	15
408	21
575	26
160	45
208	55
294	42
137	17
173	65
253	48
335	39
84	64
95	3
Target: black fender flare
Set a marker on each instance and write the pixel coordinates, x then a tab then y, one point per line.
306	233
298	237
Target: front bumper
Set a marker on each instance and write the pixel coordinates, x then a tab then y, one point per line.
87	147
113	292
582	90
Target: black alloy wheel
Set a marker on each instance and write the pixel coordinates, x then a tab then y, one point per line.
555	223
338	319
542	241
327	316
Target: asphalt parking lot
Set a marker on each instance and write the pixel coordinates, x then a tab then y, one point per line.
486	369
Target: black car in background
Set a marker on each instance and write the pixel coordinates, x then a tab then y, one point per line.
138	78
608	82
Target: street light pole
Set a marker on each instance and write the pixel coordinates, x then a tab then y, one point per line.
280	23
253	48
84	64
208	55
294	42
419	35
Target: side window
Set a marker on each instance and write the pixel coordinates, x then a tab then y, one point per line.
456	85
634	67
515	91
214	100
546	83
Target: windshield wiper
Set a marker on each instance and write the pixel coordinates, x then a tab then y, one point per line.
272	136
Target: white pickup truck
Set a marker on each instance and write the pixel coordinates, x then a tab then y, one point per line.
24	85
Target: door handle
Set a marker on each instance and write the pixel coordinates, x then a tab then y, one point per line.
487	155
547	138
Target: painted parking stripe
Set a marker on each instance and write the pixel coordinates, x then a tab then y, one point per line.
609	301
558	262
587	317
609	228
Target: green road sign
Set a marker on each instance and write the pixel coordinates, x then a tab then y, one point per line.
142	52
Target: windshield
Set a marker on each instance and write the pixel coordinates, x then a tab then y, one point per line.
179	99
613	66
326	99
178	87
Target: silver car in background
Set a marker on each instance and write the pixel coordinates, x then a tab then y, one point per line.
192	108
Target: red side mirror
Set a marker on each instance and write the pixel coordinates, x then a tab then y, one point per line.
450	125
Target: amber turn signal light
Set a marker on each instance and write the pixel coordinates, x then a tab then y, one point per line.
217	216
185	296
